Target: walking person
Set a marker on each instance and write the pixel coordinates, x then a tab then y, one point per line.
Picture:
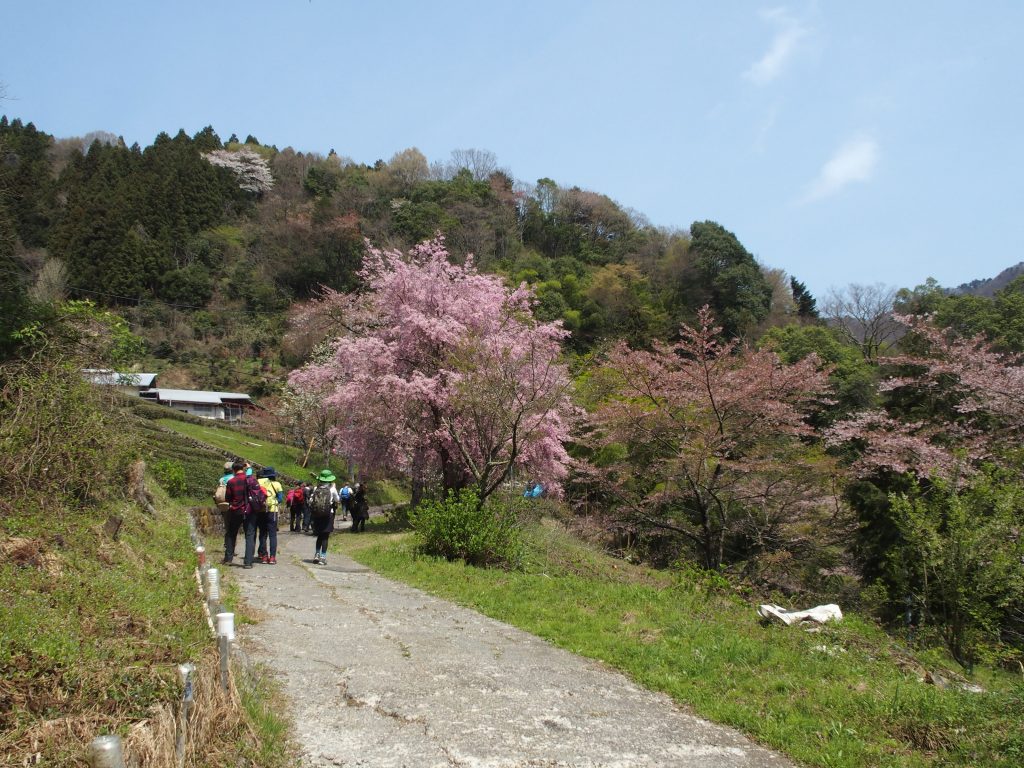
323	503
266	522
360	508
346	500
307	491
239	490
295	501
219	497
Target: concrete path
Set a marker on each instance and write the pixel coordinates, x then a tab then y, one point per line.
380	674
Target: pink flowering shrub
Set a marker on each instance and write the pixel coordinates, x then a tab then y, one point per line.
703	439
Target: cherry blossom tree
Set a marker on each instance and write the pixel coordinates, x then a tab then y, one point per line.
703	438
251	170
941	524
443	374
966	404
307	417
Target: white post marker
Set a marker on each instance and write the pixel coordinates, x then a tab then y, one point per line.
224	646
106	752
187	698
213	585
226	625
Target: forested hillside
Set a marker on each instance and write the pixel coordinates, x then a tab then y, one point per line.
203	245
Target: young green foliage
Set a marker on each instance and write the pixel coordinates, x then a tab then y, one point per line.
458	527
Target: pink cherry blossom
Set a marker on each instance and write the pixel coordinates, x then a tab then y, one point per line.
704	438
443	374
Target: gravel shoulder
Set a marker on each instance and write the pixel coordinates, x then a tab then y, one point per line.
377	673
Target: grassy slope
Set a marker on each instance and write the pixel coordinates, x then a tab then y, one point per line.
92	629
845	696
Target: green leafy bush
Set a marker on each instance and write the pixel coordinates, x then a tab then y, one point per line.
458	527
961	559
171	475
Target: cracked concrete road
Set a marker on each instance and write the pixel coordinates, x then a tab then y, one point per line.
381	674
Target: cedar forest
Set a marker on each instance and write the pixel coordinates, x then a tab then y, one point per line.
449	325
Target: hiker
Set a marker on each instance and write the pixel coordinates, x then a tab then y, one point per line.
218	495
266	523
307	491
360	508
346	500
323	503
240	493
296	502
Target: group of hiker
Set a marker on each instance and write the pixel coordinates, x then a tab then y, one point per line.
251	502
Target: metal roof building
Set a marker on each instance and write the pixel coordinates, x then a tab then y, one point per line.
130	383
225	406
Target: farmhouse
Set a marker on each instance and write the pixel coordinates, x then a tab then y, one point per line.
225	406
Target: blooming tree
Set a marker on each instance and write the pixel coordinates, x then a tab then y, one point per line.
443	374
703	438
307	417
252	171
969	404
943	530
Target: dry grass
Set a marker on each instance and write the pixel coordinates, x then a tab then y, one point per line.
216	724
31	553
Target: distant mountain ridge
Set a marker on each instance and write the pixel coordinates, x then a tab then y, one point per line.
989	286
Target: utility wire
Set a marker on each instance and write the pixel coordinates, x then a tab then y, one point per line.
139	301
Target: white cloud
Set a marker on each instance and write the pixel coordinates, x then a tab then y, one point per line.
854	161
789	32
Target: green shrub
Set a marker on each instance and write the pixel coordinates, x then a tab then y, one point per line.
458	527
61	439
171	475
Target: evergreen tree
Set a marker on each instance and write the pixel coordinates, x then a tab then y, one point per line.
207	140
28	184
806	306
727	278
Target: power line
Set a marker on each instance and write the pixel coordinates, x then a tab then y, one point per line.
140	300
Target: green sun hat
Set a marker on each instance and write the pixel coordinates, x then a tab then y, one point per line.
325	477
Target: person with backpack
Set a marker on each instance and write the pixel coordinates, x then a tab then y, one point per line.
346	500
307	492
218	495
360	508
322	505
245	499
266	523
296	502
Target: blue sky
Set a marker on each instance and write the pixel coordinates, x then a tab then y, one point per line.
842	142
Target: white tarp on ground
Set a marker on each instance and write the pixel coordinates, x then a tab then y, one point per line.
819	614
